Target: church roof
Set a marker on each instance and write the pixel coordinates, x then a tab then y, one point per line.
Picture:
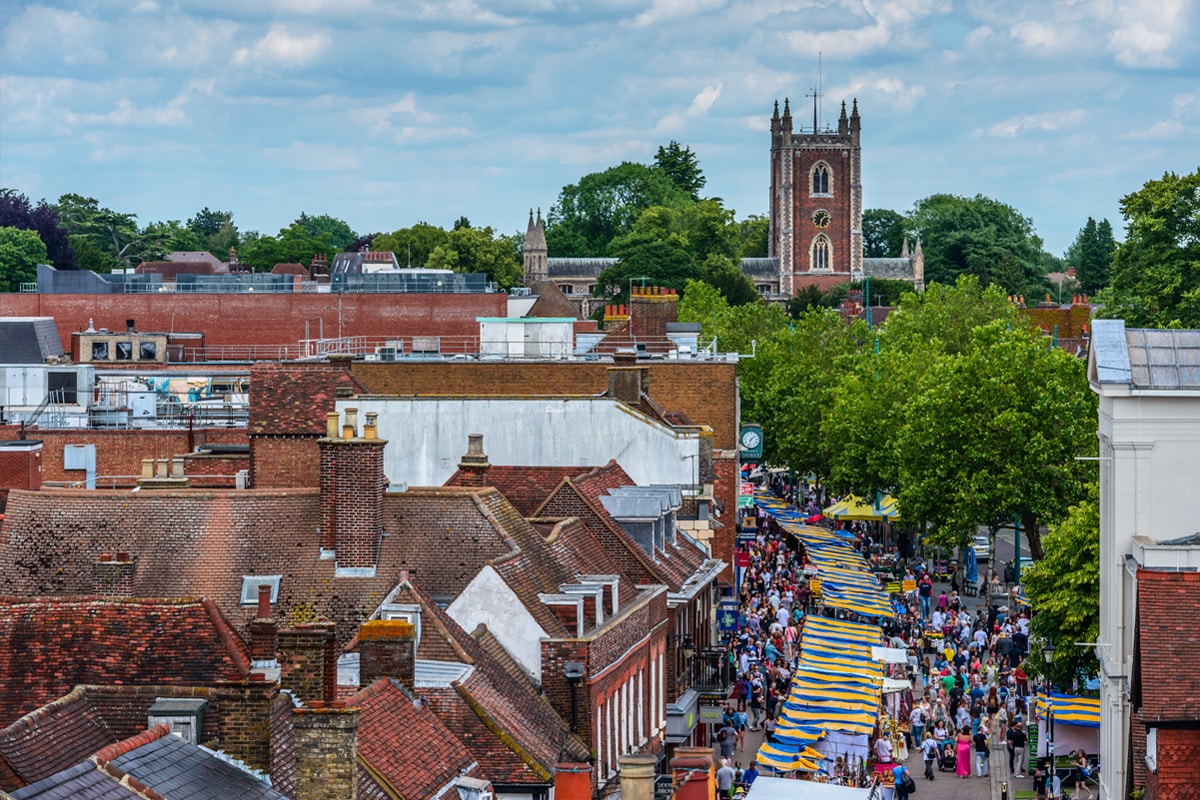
562	268
894	268
760	267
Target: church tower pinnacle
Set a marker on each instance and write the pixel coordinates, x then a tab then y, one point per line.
535	253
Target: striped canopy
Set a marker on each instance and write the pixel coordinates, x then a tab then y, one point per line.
784	758
855	508
1071	710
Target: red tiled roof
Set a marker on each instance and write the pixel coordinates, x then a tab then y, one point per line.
49	645
290	401
525	487
515	734
290	269
406	745
1167	643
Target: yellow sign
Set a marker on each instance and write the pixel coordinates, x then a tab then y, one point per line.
910	586
893	587
814	585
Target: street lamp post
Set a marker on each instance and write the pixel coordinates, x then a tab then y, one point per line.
1048	656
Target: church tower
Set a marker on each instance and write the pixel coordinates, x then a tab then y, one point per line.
535	252
816	200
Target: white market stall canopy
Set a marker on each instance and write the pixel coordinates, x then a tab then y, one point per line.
765	788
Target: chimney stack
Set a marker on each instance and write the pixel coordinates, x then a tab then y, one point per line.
692	773
387	648
628	384
352	487
326	752
474	464
112	576
308	662
650	309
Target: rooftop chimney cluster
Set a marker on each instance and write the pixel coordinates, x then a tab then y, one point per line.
352	487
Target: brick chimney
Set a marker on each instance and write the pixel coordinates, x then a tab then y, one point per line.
650	309
326	752
627	384
352	487
637	776
308	662
387	648
572	781
112	575
264	636
474	464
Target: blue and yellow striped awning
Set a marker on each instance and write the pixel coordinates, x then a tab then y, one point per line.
853	507
1071	710
783	759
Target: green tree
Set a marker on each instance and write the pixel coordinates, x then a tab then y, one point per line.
1064	587
294	245
603	206
207	222
412	246
341	236
20	253
883	233
160	238
996	431
17	212
978	236
728	278
111	232
807	297
443	257
483	250
754	232
682	167
1156	270
1091	255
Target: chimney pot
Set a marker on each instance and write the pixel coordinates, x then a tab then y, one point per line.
105	557
264	600
331	425
124	558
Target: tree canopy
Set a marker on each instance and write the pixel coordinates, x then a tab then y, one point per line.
683	168
1156	270
17	212
1091	255
20	253
883	233
978	236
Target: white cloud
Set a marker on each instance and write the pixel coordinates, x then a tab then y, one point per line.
841	44
978	36
1038	35
280	48
1163	129
1147	31
704	100
1052	121
666	10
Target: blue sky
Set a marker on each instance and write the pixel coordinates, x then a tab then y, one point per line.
386	112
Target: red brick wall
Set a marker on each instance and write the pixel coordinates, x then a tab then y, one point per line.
120	452
214	470
612	658
278	462
822	282
225	319
838	207
20	469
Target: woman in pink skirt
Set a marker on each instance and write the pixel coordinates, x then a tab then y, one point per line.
962	762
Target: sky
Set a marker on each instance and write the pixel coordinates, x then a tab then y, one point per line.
388	112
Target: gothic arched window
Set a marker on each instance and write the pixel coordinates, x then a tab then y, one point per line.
820	178
820	253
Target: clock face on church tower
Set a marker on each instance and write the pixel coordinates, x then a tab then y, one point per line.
821	218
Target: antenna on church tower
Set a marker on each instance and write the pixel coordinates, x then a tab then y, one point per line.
820	85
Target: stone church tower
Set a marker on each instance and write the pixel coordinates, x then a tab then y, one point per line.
535	253
816	201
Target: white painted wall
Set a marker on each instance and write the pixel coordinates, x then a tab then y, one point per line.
1150	457
488	600
526	338
426	437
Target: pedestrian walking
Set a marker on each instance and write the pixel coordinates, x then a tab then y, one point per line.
1016	751
929	750
982	749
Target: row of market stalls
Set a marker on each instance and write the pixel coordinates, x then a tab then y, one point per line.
835	699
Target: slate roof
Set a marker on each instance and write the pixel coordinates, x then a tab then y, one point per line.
1167	644
290	401
564	268
42	742
28	340
891	268
760	267
49	645
166	765
404	744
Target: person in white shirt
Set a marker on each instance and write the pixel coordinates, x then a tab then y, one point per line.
883	750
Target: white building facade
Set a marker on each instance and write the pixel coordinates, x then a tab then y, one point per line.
1148	383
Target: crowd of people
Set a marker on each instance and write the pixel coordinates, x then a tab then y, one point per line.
970	684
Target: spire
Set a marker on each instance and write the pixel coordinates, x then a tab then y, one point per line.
787	111
776	114
535	235
904	248
854	120
917	253
786	120
843	123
